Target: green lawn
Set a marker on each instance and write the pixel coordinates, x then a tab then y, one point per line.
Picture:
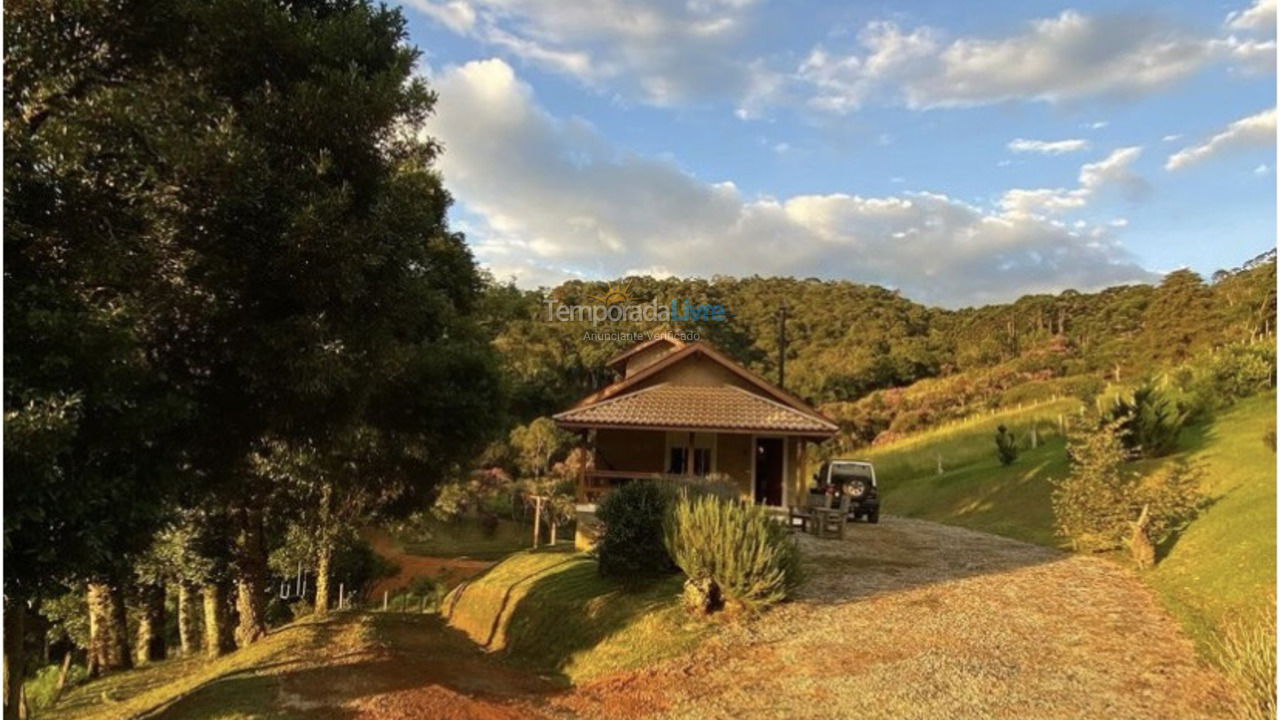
1220	568
466	537
1223	566
233	686
552	612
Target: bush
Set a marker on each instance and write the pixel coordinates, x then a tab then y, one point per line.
734	554
630	547
1148	421
1216	380
42	688
1006	446
1103	506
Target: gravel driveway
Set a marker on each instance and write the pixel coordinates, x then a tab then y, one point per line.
912	619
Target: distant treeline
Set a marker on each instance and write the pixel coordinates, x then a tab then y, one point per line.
845	341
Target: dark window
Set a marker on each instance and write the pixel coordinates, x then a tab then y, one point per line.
678	460
702	462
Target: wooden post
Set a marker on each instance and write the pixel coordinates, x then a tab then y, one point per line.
1034	437
339	596
384	600
537	520
939	456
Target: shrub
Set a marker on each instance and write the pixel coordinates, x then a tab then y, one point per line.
734	554
1102	506
630	546
41	689
1247	655
1216	380
1148	421
1006	446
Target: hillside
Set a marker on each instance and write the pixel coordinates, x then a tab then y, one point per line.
552	612
1220	568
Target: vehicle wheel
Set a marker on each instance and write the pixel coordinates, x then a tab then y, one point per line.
873	517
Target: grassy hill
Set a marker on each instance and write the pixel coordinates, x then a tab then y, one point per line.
552	612
974	490
1221	567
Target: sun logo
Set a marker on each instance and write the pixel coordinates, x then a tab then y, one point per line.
615	295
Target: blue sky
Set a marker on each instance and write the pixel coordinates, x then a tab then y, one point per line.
962	153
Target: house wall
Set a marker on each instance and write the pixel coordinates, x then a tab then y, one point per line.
646	357
733	458
696	370
636	450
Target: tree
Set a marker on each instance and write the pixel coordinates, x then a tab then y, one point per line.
1103	505
262	206
1148	422
537	445
1006	446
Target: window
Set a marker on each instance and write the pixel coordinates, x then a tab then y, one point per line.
702	461
691	453
677	460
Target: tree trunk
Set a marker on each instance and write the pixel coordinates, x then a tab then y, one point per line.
108	630
15	626
62	675
151	622
188	632
118	656
251	578
217	631
324	566
1140	545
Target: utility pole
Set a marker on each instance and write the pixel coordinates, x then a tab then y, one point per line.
782	346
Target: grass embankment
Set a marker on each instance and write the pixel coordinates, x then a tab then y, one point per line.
974	490
1222	567
234	686
552	612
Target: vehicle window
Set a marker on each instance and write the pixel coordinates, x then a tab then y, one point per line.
843	473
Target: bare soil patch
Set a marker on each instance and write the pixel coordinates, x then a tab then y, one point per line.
449	571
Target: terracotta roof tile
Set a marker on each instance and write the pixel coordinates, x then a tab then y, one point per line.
723	407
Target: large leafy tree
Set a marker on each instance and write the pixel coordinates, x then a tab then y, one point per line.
232	204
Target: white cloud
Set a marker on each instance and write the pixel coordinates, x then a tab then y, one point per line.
1171	138
551	194
1098	125
1056	59
1259	17
662	54
1262	169
456	15
1255	131
1048	147
1113	171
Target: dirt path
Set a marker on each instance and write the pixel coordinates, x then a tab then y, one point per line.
911	619
450	570
907	619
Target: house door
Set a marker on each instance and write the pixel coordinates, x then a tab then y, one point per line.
768	480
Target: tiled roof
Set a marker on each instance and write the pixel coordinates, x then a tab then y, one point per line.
720	407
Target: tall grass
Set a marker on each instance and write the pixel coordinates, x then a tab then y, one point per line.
1247	654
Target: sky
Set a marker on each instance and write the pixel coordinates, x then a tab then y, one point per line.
962	153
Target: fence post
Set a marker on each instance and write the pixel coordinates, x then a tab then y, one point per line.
340	597
384	600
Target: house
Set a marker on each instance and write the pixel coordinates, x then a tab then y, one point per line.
687	409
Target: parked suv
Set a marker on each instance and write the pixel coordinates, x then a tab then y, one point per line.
855	479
